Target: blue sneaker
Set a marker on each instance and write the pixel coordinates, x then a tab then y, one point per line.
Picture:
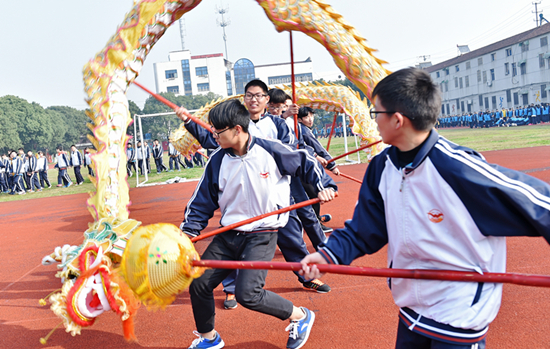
299	330
203	343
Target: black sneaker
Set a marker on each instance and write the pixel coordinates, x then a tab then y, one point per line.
230	301
317	286
326	229
299	330
325	218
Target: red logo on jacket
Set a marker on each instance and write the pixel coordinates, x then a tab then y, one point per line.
264	174
435	216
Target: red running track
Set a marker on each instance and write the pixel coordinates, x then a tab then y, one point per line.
358	313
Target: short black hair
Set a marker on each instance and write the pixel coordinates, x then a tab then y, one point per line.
155	140
229	114
59	147
72	145
277	96
256	82
412	92
303	112
21	149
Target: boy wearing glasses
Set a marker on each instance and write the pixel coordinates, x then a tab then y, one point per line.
264	125
438	206
256	171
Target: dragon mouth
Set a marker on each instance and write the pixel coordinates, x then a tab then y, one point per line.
92	299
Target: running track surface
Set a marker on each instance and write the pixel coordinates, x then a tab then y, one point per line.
358	313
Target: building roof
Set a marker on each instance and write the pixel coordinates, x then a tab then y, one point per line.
543	29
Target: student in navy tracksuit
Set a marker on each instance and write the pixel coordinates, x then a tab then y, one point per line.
157	155
3	176
77	161
147	156
140	156
130	159
42	168
305	122
290	238
62	163
15	171
32	172
173	155
436	205
256	171
88	162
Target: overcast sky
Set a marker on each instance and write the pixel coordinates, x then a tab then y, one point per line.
45	44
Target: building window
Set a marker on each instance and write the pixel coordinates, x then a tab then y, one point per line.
287	79
480	61
479	76
480	101
203	87
442	108
173	89
543	93
460	81
508	52
188	89
523	68
485	76
516	98
508	96
467	81
506	68
524	46
448	110
544	41
514	69
525	97
228	82
486	102
494	102
201	71
243	72
456	82
492	75
446	71
457	105
446	86
468	65
493	57
541	61
457	68
437	74
462	106
171	74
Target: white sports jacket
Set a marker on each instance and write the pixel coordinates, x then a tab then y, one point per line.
451	210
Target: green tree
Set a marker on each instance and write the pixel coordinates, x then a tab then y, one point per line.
75	121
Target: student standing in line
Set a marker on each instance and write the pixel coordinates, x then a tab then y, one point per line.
16	171
147	156
76	162
63	163
157	155
32	172
3	176
88	162
42	168
130	159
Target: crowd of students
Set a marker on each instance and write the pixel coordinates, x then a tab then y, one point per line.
22	173
526	115
324	131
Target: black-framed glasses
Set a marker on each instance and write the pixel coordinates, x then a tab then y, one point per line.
258	96
216	133
271	106
373	112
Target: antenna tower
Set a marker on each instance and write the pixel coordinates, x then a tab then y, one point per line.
223	23
537	13
182	33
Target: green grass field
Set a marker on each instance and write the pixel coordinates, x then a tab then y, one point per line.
479	139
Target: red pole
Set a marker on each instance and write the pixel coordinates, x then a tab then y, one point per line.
332	130
257	218
352	178
293	86
173	106
427	274
354	151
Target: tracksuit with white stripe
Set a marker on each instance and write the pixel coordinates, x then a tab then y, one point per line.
3	175
243	187
42	168
62	162
15	171
448	209
32	173
76	162
290	238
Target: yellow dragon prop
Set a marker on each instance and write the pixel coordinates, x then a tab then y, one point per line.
91	282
